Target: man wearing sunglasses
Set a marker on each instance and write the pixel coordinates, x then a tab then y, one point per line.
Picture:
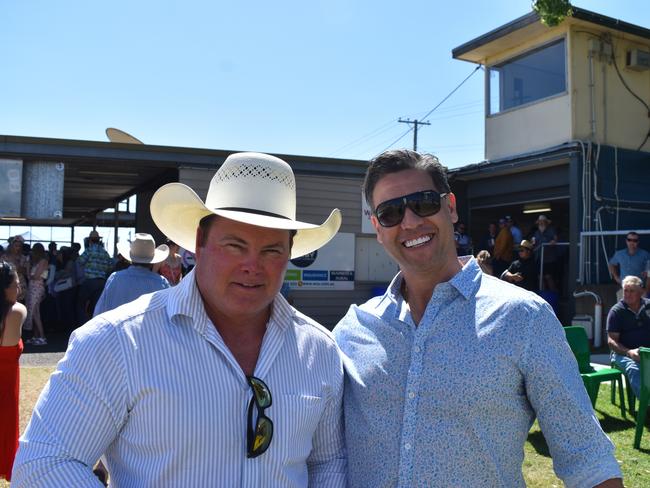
446	372
217	381
631	261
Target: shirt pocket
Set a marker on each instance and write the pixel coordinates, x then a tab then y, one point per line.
295	420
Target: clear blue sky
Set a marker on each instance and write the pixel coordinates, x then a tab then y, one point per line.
319	78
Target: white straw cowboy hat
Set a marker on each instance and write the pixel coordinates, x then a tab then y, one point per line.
143	250
253	188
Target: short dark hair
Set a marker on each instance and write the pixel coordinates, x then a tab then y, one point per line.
397	160
7	277
632	233
206	222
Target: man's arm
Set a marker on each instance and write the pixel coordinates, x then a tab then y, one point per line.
78	415
327	462
582	454
613	269
618	348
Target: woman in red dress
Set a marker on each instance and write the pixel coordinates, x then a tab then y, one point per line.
12	316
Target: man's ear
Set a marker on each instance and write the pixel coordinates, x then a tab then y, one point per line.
375	223
451	204
198	241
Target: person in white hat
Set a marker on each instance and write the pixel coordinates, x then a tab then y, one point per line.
138	279
217	381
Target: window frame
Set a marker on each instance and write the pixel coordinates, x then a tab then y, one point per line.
545	45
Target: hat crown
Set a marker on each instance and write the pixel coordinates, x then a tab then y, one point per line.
527	245
254	181
143	246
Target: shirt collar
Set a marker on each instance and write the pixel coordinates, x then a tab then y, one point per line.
466	281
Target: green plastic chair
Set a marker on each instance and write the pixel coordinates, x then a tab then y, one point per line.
644	397
592	378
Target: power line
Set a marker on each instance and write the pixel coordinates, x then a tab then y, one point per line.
398	139
370	135
453	91
434	108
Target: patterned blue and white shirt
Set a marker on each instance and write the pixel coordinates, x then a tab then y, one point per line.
450	402
153	387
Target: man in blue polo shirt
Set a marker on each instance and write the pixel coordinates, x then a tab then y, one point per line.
628	328
632	261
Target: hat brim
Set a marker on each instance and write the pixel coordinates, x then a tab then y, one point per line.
177	210
159	254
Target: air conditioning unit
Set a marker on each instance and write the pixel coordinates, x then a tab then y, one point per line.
638	60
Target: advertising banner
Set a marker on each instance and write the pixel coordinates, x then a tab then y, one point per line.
330	267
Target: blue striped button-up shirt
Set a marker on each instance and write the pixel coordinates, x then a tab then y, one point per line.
153	387
450	402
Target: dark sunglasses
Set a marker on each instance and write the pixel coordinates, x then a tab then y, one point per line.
632	240
259	439
422	203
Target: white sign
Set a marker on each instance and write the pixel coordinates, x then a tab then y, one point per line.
331	267
366	212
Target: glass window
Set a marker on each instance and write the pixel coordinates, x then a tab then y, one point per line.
528	78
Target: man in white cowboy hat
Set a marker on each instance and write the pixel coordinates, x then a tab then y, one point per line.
217	381
138	279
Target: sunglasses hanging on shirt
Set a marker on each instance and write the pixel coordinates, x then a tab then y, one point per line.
258	438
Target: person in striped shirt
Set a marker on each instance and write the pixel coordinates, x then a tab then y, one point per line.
217	381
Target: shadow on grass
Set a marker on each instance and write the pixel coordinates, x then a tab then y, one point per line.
610	423
537	440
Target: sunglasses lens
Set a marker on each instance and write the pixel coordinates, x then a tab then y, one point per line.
261	392
390	213
427	203
263	436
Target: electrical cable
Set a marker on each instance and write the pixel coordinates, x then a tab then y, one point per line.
398	139
434	108
370	135
453	91
608	40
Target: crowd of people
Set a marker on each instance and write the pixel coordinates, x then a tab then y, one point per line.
503	252
68	284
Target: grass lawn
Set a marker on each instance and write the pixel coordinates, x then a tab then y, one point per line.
538	470
635	464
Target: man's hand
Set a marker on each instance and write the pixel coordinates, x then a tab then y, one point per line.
611	483
634	354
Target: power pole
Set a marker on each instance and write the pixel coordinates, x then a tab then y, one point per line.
415	123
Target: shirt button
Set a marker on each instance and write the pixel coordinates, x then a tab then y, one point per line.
416	348
407	446
411	394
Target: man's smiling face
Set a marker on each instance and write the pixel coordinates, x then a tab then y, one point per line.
418	244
